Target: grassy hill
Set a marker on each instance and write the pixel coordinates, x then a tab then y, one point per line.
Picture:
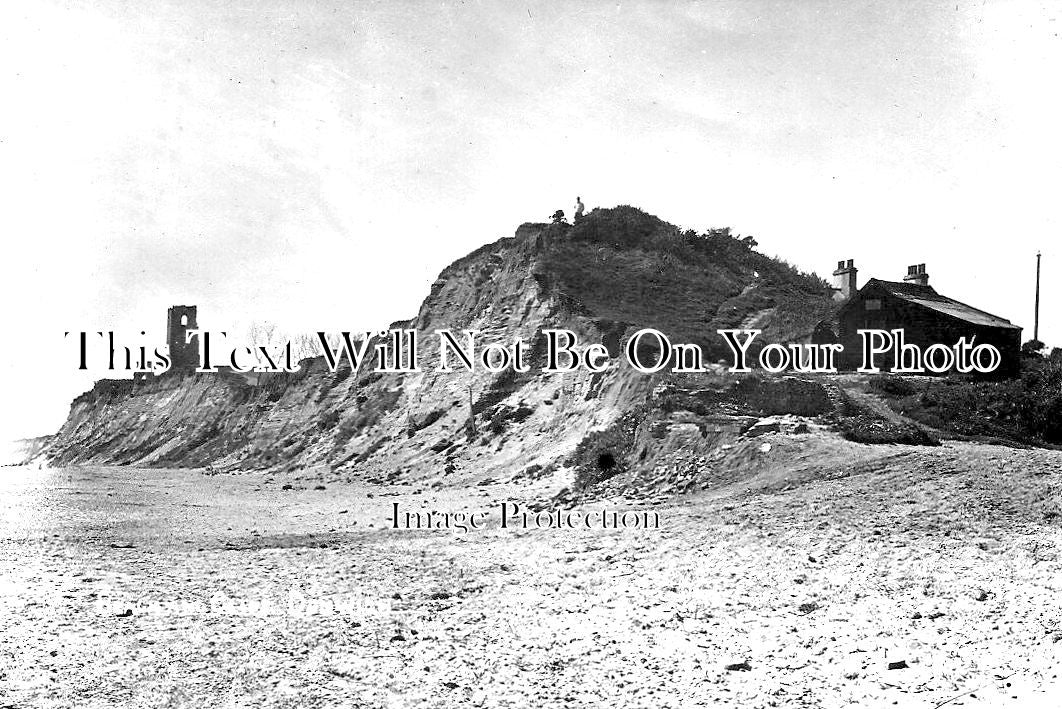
625	266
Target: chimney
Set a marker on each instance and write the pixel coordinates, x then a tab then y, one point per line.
917	275
844	279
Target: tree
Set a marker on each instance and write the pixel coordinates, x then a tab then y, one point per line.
305	345
1033	348
266	334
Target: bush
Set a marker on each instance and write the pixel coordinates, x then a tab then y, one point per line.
892	385
504	415
1027	409
624	266
1032	348
871	429
1041	401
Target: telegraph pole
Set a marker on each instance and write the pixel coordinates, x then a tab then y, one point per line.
1036	315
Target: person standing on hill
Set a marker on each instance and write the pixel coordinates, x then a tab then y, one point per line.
579	209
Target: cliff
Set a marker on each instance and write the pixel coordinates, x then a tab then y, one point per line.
614	272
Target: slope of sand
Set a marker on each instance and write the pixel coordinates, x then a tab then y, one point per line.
158	588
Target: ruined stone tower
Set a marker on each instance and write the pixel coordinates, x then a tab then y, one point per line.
179	320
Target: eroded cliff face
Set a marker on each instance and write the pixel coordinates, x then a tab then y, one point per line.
375	423
442	424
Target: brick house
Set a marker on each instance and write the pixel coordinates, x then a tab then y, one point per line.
926	317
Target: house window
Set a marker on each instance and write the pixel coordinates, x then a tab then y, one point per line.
872	304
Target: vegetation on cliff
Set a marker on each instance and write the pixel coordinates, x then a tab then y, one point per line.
613	272
1026	409
626	266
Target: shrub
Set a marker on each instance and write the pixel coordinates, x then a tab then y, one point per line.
1027	409
1041	401
892	385
625	266
870	429
503	415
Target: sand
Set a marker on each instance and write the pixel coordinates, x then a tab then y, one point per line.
171	588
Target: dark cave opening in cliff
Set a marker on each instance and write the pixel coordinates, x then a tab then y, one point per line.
606	462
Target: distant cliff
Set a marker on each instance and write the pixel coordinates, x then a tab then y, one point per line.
614	272
22	450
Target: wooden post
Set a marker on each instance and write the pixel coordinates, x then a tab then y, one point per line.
1036	315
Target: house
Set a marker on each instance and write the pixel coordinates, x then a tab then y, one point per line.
925	316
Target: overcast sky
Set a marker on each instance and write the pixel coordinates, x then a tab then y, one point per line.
317	164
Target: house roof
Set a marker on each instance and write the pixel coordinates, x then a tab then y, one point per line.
929	298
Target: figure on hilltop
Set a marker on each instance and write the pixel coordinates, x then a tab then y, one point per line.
579	208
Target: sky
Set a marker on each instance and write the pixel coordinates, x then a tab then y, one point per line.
316	165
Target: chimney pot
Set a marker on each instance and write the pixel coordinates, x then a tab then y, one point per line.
917	275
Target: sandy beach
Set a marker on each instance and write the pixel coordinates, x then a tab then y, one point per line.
171	588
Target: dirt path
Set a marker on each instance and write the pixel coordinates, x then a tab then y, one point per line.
154	588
